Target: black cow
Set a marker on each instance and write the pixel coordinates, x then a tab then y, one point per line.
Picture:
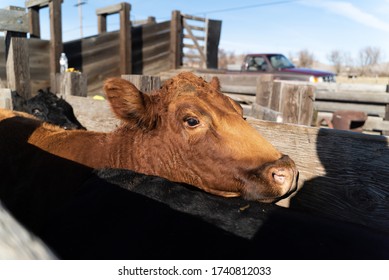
49	108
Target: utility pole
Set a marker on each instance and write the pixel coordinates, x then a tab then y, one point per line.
79	5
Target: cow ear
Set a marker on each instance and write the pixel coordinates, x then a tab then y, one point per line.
236	106
128	103
215	83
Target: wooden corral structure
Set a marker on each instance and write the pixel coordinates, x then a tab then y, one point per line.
148	48
343	174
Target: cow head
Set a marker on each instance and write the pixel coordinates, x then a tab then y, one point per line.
190	132
50	108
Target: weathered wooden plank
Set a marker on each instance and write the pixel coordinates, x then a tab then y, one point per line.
34	22
240	98
5	98
149	20
157	66
343	175
14	20
193	27
198	38
212	42
95	53
247	90
152	52
376	124
176	40
290	104
101	24
372	123
264	113
56	46
99	67
72	83
148	40
113	9
143	82
193	56
373	110
190	46
263	90
276	97
125	39
350	87
155	28
307	103
354	96
191	17
235	79
37	3
156	59
17	65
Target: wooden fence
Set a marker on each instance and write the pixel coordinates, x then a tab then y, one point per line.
38	61
143	49
370	99
263	98
305	103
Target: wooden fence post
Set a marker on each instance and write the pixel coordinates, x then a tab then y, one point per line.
14	22
212	43
144	83
101	23
176	40
124	34
56	46
262	108
286	101
6	98
72	83
33	13
125	39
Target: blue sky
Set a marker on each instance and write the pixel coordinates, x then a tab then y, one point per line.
255	25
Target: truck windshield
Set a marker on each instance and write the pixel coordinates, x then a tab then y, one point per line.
280	61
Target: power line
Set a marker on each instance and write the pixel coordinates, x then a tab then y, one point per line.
240	8
247	7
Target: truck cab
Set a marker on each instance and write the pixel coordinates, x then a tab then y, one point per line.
283	69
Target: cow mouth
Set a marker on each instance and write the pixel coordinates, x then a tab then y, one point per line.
271	182
292	190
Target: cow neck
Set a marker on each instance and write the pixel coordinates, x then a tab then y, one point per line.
122	147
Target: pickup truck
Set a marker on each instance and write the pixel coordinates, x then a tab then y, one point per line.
283	69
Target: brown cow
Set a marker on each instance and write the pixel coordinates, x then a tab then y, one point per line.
187	131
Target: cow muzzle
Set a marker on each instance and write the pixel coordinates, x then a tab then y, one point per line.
272	181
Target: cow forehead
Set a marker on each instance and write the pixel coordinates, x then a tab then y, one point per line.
187	83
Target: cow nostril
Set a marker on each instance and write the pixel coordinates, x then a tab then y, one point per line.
279	177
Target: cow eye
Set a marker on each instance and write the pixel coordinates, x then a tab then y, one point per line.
192	122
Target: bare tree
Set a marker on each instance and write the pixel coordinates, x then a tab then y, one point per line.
337	58
228	57
305	58
368	57
222	59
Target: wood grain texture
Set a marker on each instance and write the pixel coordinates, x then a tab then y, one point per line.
343	175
